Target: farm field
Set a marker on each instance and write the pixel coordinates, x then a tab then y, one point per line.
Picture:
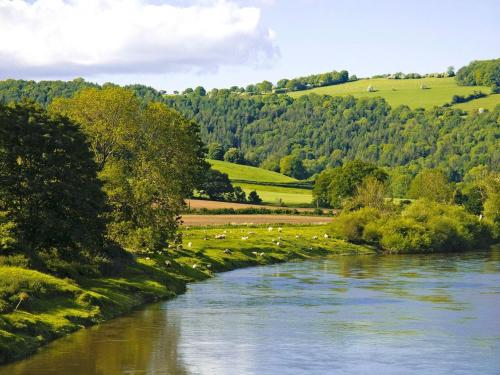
248	177
214	205
210	220
405	91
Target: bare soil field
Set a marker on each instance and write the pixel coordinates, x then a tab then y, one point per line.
212	205
202	220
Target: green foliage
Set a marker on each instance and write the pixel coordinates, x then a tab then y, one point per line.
431	184
215	185
254	198
292	166
215	151
50	196
233	155
149	158
344	181
350	225
422	226
480	73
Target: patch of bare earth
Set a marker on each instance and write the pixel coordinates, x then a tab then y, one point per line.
203	220
212	205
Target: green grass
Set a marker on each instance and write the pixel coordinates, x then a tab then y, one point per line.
270	194
488	102
56	307
404	91
291	197
245	172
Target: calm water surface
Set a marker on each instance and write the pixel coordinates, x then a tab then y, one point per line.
436	314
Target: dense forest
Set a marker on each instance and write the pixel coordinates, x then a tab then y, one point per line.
316	132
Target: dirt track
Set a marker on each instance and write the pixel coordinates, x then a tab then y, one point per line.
202	220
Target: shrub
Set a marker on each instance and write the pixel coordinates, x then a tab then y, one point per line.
350	225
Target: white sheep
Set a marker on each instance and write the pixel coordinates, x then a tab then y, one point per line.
315	237
280	229
270	229
190	244
326	235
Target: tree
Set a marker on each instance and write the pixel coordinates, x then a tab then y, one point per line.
431	184
254	198
292	166
237	195
265	86
215	151
200	91
321	193
50	197
150	158
215	185
234	155
370	193
450	71
345	180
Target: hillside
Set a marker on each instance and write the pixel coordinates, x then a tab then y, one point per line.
398	92
249	173
271	186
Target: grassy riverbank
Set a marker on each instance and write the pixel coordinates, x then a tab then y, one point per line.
54	307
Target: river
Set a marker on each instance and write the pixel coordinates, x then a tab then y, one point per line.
411	314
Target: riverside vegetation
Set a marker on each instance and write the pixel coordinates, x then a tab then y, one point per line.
92	187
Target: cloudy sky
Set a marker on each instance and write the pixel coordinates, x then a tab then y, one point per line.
174	44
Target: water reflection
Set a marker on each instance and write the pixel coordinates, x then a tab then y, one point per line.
389	314
145	342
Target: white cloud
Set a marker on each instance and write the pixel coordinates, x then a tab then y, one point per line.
85	37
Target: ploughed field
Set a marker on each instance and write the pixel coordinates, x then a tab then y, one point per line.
207	220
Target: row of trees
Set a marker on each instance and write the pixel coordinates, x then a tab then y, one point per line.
95	173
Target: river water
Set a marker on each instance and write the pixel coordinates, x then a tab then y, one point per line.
426	314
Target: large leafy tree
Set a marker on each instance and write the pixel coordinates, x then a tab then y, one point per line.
345	180
50	197
150	158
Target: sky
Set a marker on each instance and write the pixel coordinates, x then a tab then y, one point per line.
175	44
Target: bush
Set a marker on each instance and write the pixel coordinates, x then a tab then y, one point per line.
350	225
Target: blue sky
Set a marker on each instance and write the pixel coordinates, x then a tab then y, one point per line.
220	43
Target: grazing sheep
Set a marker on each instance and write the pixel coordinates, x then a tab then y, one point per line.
168	263
327	236
315	237
227	251
220	236
262	254
190	244
209	265
270	229
195	266
254	253
278	244
205	238
244	238
280	229
148	258
297	236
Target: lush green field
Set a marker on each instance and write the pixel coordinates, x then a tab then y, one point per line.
405	91
270	194
290	197
488	102
245	172
56	306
